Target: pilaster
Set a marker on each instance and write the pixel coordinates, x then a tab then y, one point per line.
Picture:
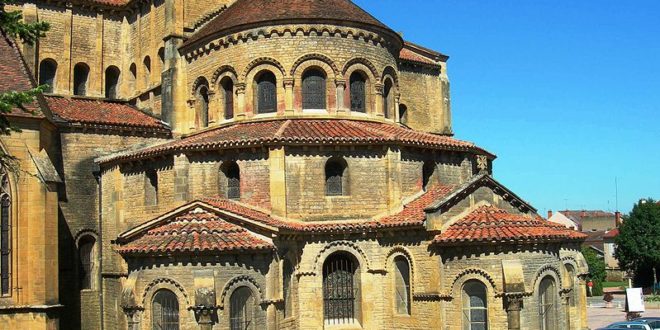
288	96
276	159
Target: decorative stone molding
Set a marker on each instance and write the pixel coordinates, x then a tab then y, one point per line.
482	163
237	282
259	61
200	81
474	273
340	246
164	283
222	70
391	72
547	270
314	56
360	60
288	82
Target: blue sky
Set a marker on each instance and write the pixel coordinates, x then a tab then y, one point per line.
566	93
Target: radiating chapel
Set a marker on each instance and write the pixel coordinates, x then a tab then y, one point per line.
257	164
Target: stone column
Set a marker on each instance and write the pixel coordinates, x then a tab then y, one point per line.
582	303
341	87
133	317
566	303
395	115
513	307
239	114
205	317
378	104
212	113
288	96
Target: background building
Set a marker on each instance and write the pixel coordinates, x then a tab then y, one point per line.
266	165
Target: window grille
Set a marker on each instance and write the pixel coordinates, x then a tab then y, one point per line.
402	285
358	95
228	95
85	252
47	71
339	290
475	306
267	93
547	308
165	311
313	90
242	309
334	177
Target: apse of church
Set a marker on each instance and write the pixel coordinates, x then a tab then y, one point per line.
259	164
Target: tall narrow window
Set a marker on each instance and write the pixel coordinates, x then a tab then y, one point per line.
242	309
228	97
150	188
86	255
358	92
547	304
147	71
403	114
5	235
202	107
266	92
111	82
232	174
165	311
80	77
335	177
313	89
47	72
340	289
161	58
475	306
287	277
402	285
388	99
427	174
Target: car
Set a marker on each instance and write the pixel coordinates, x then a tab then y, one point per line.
629	325
653	322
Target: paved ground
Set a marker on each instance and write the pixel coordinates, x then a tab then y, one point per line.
598	316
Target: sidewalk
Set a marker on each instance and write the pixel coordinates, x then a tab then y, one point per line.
598	317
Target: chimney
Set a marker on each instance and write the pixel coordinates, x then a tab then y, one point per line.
583	213
617	216
549	214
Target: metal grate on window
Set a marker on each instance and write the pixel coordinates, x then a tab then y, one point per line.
313	90
267	93
165	311
358	95
339	291
242	309
5	245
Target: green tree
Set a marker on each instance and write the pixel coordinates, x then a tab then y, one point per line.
638	243
13	26
597	272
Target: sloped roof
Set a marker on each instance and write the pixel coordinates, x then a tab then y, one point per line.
195	231
578	215
421	55
244	14
89	111
612	233
489	224
15	76
301	132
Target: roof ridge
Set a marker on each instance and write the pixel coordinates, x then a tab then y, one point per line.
283	126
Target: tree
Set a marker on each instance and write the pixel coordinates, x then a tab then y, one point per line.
638	243
12	25
597	272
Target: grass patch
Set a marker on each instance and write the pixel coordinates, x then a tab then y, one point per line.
614	284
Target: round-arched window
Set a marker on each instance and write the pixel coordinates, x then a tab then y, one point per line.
165	311
313	89
266	92
242	309
475	306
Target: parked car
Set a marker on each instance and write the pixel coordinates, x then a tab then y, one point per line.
628	325
653	322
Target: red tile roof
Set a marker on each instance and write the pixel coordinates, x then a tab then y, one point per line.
489	224
14	76
408	55
302	132
244	14
412	215
612	233
76	110
197	231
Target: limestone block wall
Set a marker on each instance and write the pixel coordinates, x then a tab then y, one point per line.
449	168
425	94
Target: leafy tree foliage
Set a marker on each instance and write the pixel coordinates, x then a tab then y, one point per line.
597	272
13	26
638	243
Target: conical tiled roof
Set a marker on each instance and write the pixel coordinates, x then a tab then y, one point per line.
244	14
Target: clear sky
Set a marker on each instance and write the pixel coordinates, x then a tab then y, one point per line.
565	93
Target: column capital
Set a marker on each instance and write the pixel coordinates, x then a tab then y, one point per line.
340	83
288	82
513	303
240	88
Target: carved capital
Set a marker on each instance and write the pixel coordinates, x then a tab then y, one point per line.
288	82
340	83
240	88
191	102
379	88
513	303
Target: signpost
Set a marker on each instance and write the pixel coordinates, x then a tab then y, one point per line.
634	303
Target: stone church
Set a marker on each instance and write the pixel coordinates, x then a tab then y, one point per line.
257	164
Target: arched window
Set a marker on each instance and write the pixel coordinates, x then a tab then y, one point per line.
547	304
475	306
150	188
232	174
80	77
358	86
202	107
341	289
86	255
47	72
427	174
388	99
5	234
287	277
241	309
402	285
335	177
266	92
570	272
111	82
313	89
161	57
228	97
165	311
147	71
403	114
